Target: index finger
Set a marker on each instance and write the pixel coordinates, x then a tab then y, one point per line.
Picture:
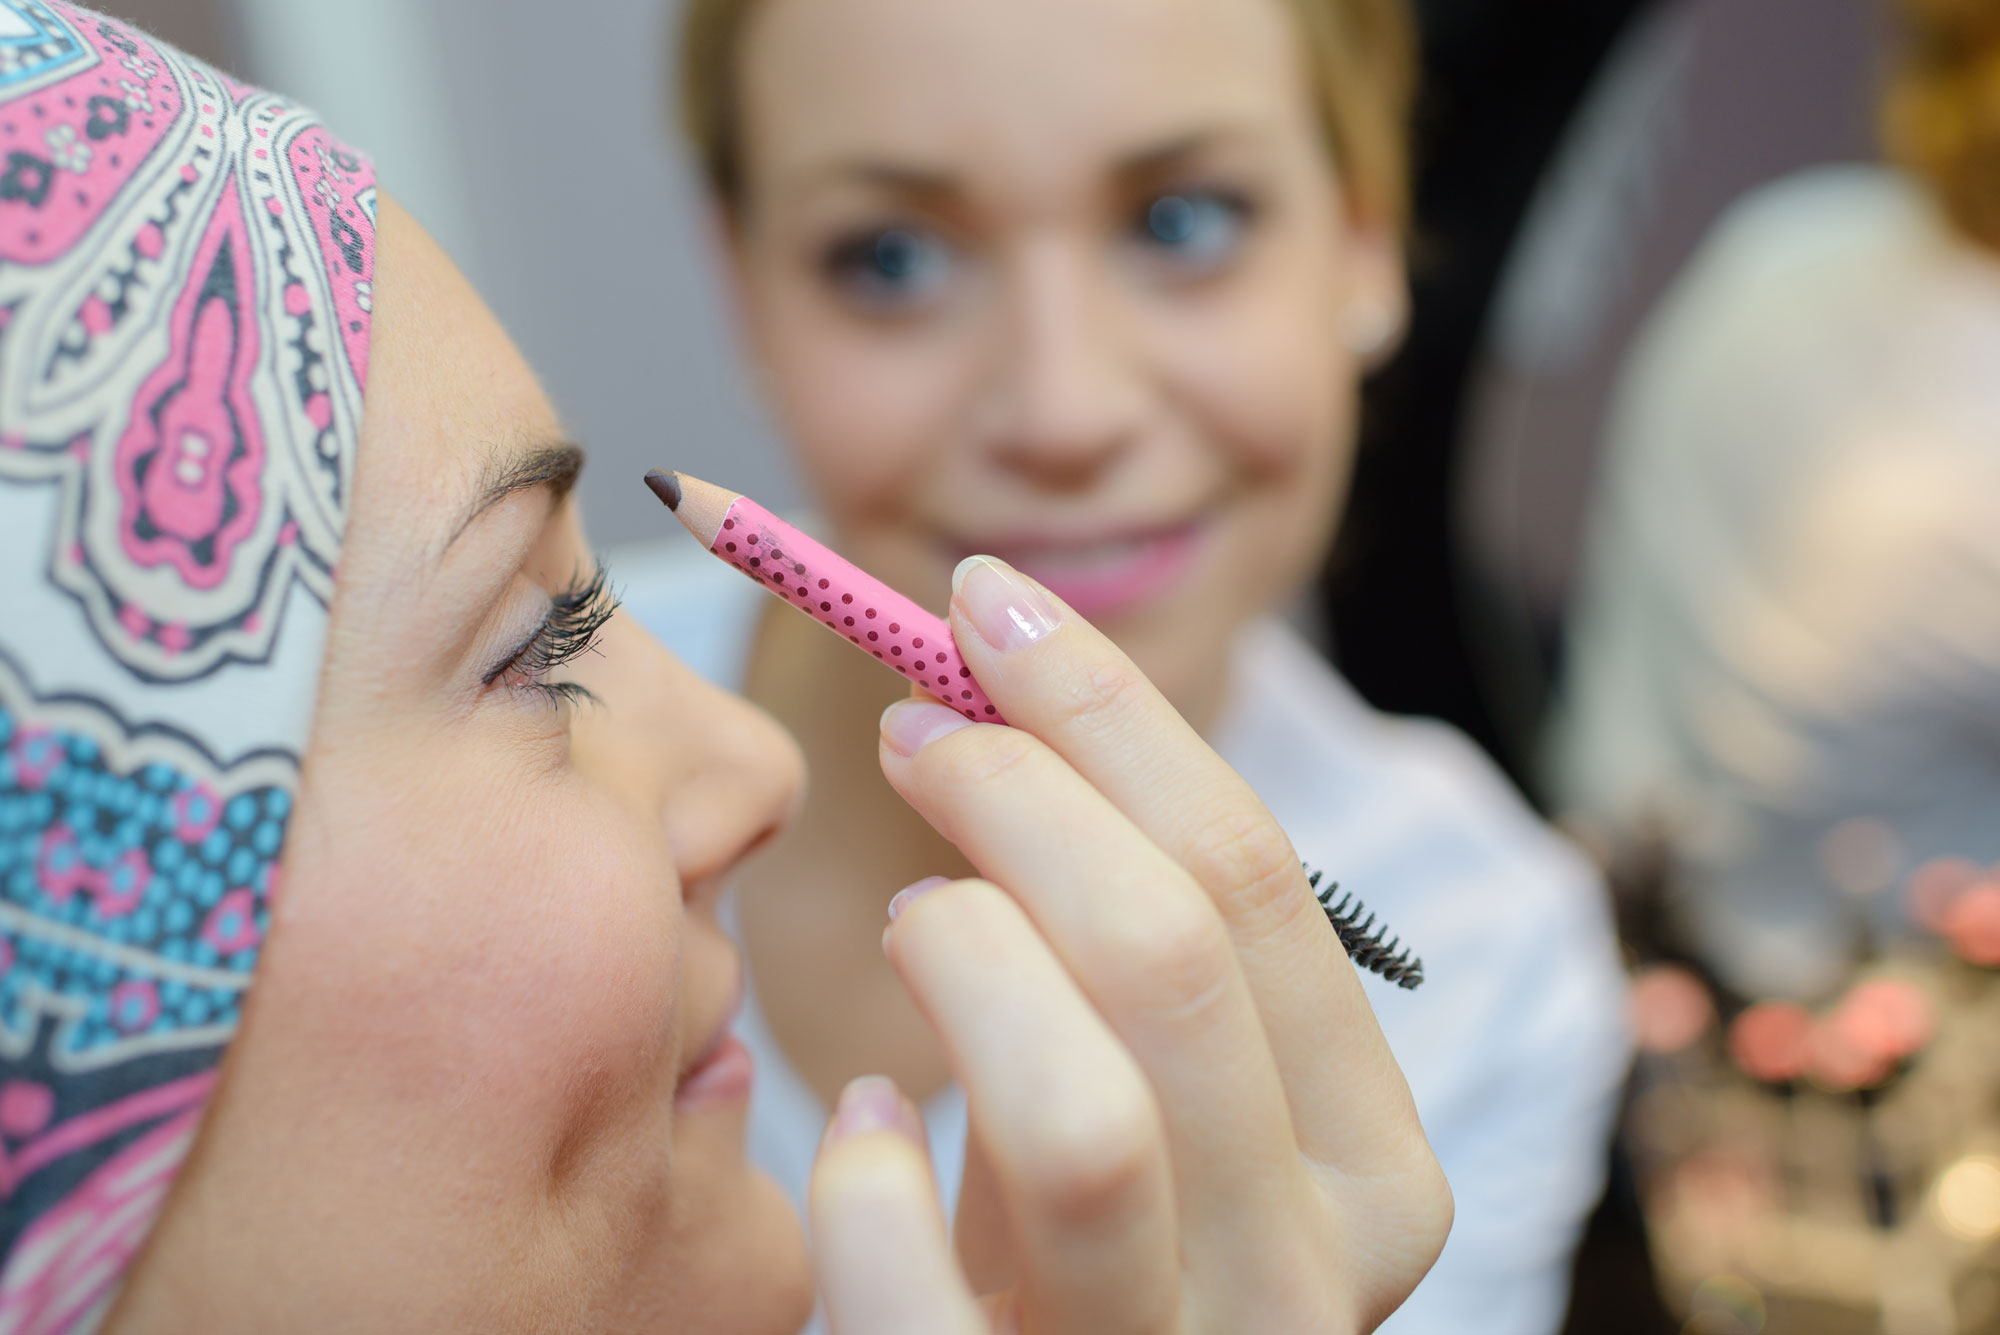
1057	677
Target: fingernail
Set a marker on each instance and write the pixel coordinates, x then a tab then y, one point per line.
908	726
873	1103
910	894
1006	610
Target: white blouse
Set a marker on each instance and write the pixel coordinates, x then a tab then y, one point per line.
1515	1045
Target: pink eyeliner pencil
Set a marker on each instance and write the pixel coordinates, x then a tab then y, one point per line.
830	589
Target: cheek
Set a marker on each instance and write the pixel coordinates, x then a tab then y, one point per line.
1265	374
529	962
1265	380
869	408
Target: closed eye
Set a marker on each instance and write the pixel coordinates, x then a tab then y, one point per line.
575	620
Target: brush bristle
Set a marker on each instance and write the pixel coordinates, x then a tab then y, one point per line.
1369	946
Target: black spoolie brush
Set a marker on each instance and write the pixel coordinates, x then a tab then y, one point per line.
1363	939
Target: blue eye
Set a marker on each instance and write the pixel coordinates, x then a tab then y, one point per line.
889	269
1198	230
898	255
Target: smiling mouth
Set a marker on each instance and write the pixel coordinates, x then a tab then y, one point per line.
1108	578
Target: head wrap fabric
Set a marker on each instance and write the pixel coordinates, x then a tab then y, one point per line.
185	270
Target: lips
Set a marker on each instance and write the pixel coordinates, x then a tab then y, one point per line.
722	1069
1103	578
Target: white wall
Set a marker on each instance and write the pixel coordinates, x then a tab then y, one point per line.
533	138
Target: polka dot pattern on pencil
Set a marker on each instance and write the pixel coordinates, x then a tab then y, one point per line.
852	604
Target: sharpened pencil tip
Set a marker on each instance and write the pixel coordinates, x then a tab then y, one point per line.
665	485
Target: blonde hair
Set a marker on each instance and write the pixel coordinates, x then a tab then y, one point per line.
1941	118
1362	53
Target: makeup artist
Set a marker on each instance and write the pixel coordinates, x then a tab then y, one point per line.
1090	285
359	959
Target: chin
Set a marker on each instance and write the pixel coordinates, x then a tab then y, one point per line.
1172	667
1181	644
746	1258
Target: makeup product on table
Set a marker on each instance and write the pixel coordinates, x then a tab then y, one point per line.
879	621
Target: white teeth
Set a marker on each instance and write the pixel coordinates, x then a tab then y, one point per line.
1084	560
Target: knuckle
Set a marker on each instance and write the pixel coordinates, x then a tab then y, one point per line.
1435	1205
1297	1279
1179	960
1423	1224
978	756
1408	1224
1098	694
1094	1160
1247	865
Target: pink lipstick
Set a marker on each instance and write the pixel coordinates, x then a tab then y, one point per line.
1103	580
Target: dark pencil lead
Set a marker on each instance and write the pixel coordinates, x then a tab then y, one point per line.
1370	947
665	485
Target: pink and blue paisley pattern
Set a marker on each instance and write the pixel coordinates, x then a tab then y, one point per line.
186	270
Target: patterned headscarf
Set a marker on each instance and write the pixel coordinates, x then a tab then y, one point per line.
185	268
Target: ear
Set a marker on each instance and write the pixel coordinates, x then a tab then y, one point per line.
1375	314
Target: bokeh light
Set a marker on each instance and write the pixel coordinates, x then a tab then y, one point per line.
1768	1041
1935	887
1861	856
1967	1198
1835	1061
1671	1008
1972	925
1890	1019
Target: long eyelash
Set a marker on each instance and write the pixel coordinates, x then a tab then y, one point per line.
576	617
1368	950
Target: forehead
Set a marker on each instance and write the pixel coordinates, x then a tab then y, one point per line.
1029	86
450	401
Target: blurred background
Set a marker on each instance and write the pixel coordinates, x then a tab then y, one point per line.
1615	307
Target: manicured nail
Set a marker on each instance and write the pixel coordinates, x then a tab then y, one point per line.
908	726
873	1103
1006	610
910	894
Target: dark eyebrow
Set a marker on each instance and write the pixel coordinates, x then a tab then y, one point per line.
920	183
1164	157
551	464
910	180
935	185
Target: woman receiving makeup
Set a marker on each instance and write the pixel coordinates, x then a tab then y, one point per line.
1088	286
359	959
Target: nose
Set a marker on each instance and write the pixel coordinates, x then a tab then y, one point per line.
745	784
1066	395
725	776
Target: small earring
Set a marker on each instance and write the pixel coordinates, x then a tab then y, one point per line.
1368	329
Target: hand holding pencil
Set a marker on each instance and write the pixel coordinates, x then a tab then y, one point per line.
1186	1117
